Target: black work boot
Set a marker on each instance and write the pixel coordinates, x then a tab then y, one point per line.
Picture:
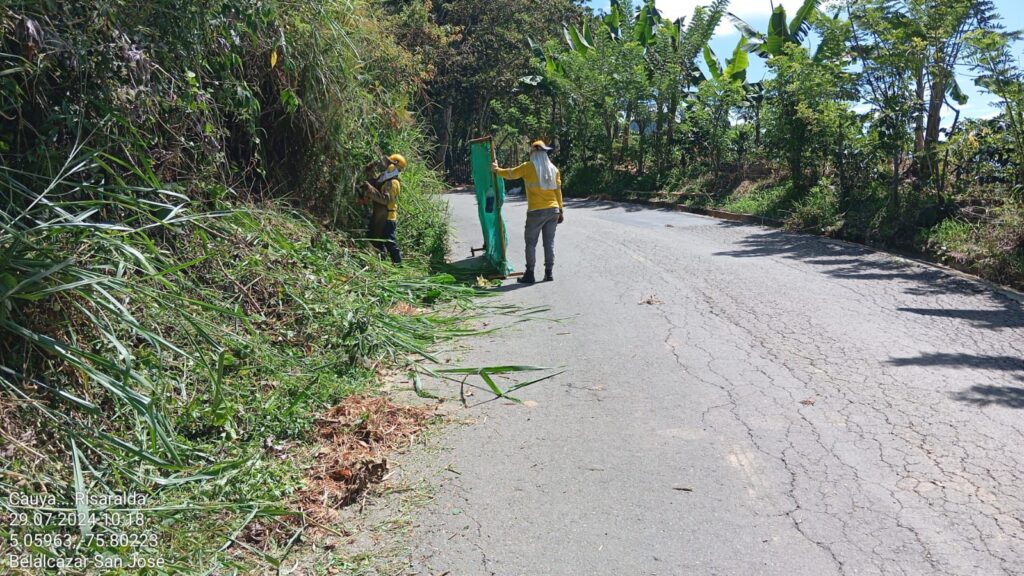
547	274
527	277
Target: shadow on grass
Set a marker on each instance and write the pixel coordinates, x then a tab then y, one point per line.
770	203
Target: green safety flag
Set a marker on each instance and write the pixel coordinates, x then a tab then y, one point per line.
490	197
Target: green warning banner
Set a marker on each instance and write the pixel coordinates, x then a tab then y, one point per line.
490	197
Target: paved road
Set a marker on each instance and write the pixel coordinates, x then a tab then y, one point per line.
779	404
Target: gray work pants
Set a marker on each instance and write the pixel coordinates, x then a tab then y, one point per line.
537	222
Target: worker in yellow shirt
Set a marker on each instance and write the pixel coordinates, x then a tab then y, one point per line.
383	196
544	208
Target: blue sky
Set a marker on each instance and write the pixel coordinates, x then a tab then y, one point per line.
756	13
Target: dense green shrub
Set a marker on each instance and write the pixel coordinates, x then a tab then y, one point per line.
179	278
818	211
992	246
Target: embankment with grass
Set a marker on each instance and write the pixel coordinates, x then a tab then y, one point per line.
183	288
976	230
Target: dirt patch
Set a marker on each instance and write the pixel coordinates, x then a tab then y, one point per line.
406	309
355	438
747	187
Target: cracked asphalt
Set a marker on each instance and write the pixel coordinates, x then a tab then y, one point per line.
737	401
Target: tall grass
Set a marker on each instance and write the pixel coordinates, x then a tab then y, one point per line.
127	370
993	247
180	291
76	259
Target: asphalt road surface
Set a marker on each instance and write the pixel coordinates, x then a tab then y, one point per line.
737	401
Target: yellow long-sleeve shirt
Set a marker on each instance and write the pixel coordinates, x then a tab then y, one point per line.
391	188
537	198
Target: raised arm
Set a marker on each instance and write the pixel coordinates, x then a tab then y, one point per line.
509	173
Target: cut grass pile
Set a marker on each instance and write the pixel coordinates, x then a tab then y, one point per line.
355	438
192	384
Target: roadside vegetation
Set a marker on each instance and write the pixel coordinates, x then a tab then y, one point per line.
856	130
184	287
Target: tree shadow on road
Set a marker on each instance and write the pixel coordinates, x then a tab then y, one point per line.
1008	396
1009	316
789	245
852	262
610	205
979	361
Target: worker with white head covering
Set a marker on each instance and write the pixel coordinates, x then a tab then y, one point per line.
544	207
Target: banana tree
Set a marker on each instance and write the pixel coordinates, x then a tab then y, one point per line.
754	100
727	90
614	20
735	69
781	31
645	25
552	66
620	25
641	27
688	39
548	78
580	41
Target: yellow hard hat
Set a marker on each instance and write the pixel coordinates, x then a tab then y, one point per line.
539	145
398	160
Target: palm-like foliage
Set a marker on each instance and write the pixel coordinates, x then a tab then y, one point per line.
781	31
613	21
641	27
692	37
648	20
735	69
581	41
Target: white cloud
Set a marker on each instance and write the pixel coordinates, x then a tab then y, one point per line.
755	12
743	8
